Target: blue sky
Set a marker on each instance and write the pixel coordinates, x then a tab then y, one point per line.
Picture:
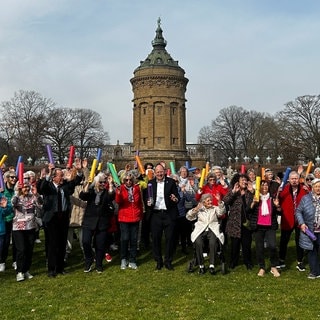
254	54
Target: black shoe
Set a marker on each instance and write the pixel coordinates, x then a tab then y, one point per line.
202	270
212	271
232	265
52	274
159	265
249	266
169	266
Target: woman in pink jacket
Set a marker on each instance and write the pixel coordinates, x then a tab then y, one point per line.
129	200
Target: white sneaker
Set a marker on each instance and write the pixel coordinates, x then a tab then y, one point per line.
14	265
28	275
123	265
114	247
2	267
20	276
133	265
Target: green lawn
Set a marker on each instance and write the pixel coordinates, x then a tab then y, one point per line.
149	294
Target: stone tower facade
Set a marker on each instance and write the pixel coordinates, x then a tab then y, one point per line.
159	111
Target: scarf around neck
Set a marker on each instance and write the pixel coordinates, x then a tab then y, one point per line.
264	204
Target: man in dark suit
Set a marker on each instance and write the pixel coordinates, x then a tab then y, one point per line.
56	191
164	212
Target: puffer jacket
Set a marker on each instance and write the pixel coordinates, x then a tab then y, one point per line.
129	211
305	214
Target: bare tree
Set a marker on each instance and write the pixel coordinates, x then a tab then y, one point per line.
89	133
61	131
23	120
300	123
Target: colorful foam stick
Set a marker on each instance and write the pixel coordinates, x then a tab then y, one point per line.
150	194
100	166
243	169
99	155
258	183
203	174
150	190
309	168
93	170
149	173
139	164
21	171
114	173
168	172
187	165
3	160
207	168
71	156
17	166
49	152
1	180
263	173
172	168
285	178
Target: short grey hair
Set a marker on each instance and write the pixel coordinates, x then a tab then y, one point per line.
205	197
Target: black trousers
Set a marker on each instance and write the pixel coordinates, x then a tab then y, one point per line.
161	222
24	240
284	240
56	238
245	241
266	234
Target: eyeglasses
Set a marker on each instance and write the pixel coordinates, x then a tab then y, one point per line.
127	180
13	177
309	179
211	179
102	182
27	178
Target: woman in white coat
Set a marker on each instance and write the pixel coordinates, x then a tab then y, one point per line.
207	227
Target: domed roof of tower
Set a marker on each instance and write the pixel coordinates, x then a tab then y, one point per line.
159	56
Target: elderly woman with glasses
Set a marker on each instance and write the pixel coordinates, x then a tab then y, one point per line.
24	227
207	227
213	188
99	196
129	200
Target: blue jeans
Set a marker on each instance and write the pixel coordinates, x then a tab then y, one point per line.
314	257
129	237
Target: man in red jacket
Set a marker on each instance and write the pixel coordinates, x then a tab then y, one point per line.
290	198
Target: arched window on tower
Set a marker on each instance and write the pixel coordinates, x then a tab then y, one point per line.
144	111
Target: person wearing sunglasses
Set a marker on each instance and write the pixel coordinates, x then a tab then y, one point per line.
10	179
129	199
308	181
99	196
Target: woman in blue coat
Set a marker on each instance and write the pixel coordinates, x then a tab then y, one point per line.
308	217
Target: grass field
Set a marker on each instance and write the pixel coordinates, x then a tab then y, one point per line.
149	294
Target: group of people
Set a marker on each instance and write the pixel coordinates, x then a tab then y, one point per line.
216	217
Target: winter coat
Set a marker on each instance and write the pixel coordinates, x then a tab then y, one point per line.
305	214
97	216
238	211
207	218
129	211
24	211
254	213
288	207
